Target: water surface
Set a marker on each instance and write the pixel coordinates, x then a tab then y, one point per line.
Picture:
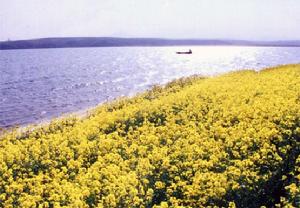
40	84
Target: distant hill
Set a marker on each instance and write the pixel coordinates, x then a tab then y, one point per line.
68	42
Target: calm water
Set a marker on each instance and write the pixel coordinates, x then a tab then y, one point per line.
44	83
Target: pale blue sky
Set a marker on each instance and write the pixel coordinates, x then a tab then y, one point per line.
231	19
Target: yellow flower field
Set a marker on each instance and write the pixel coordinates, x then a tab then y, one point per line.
227	141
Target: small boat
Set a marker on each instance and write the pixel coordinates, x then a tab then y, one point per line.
184	52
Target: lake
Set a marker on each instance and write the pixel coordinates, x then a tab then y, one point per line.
41	84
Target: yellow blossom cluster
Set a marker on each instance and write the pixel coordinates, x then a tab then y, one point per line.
226	141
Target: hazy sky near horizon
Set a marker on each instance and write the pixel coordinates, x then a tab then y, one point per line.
230	19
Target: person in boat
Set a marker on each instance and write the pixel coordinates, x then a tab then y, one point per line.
190	51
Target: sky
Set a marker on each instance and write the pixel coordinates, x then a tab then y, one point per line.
200	19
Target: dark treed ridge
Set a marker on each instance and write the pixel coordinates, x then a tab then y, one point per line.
70	42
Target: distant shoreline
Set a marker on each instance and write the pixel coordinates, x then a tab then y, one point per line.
83	42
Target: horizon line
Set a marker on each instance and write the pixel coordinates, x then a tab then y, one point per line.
157	38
